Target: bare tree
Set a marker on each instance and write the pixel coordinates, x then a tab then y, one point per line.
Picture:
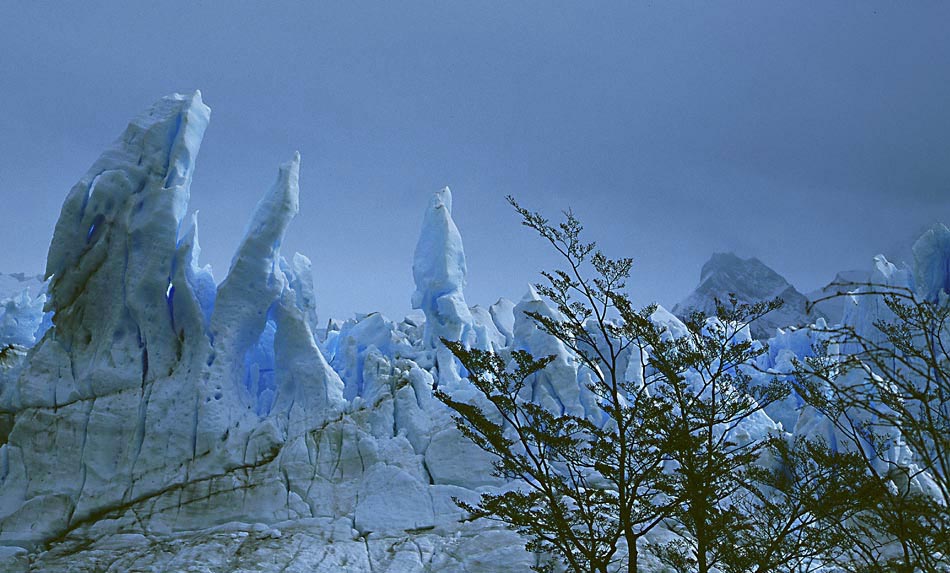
887	395
665	451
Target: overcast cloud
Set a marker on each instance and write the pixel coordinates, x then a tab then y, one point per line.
811	135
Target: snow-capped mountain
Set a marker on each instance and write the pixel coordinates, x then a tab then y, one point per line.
751	281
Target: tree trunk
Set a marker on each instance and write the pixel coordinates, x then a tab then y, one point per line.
633	557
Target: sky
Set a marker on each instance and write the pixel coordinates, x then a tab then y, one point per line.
810	135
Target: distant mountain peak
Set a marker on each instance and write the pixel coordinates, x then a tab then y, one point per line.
719	261
751	281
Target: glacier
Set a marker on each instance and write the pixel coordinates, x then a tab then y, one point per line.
157	402
152	418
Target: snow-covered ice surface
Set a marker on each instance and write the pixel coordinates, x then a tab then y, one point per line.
153	420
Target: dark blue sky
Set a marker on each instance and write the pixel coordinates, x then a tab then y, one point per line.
811	135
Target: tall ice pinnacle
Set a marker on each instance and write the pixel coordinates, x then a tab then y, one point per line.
255	280
94	375
439	271
113	248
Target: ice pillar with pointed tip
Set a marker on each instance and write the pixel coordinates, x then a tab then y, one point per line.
112	267
113	250
439	271
258	308
255	279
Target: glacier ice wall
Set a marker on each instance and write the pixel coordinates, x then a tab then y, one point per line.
136	396
159	402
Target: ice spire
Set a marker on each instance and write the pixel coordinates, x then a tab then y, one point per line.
113	248
439	271
255	280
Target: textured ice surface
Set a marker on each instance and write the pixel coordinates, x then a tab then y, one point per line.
12	284
163	422
827	301
439	270
932	264
22	321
